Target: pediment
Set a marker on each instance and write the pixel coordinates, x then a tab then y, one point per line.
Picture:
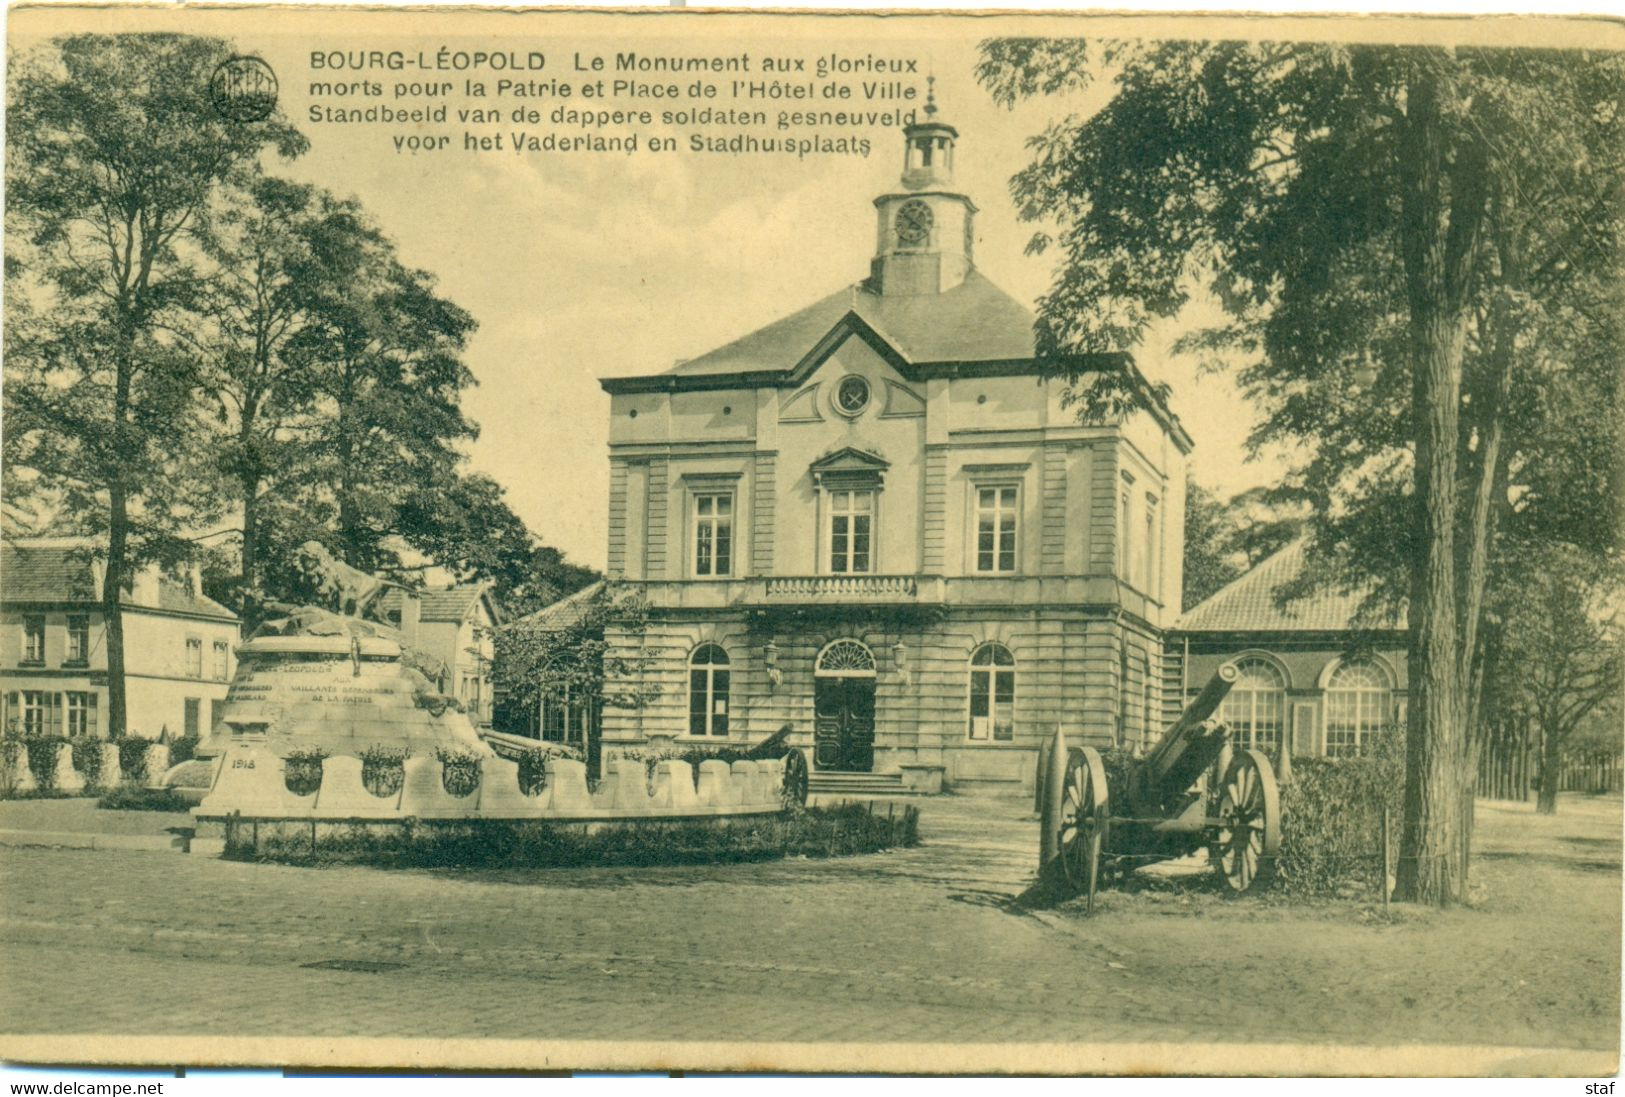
849	464
849	326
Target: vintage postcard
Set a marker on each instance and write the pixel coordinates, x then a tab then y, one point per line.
849	542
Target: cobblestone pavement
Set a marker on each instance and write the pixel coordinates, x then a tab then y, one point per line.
915	945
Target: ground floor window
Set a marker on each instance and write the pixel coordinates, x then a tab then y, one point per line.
1357	699
566	718
992	694
708	681
81	715
1255	709
194	717
36	711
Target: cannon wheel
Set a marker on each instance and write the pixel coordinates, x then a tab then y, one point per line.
795	780
1085	805
1249	836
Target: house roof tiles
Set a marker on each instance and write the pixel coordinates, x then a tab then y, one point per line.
60	570
1249	604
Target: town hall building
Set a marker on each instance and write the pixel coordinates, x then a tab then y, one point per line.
876	521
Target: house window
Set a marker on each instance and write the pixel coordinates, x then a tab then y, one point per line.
565	718
713	533
996	525
81	715
1150	551
194	657
851	528
222	660
1356	708
992	694
194	716
36	708
1125	536
1255	709
78	649
708	691
34	638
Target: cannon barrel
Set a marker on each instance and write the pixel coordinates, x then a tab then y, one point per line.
1193	741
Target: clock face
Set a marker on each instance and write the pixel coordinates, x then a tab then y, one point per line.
852	395
914	222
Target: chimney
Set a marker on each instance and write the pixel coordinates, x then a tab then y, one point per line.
144	585
411	614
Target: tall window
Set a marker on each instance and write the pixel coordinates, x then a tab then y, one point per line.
1356	708
565	717
193	718
992	693
34	638
708	691
81	715
36	711
194	657
996	526
78	649
1150	546
222	660
851	524
1125	532
1256	706
713	533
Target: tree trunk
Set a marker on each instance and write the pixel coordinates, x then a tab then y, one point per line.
113	608
1550	763
1431	846
251	535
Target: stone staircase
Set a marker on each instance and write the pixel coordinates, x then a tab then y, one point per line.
857	786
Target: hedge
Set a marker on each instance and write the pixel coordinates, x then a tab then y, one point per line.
815	832
1331	819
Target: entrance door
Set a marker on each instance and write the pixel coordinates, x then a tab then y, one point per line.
844	733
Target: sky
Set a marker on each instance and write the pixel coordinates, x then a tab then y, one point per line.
583	266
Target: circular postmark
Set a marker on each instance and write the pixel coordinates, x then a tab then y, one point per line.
243	89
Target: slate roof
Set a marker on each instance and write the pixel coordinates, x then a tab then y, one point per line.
59	571
451	605
973	322
1248	604
567	611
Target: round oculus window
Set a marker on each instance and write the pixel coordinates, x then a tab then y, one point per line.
852	395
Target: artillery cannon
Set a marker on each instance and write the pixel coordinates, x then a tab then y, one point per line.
1164	809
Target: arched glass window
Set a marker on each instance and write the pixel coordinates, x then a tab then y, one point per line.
708	691
1357	701
566	715
992	693
1255	708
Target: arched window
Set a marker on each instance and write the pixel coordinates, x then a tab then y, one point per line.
708	691
846	659
1357	699
992	693
567	715
1255	708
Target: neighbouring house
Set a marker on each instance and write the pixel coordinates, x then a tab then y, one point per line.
1308	675
179	646
564	712
453	631
880	521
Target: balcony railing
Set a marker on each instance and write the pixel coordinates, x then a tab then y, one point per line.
841	588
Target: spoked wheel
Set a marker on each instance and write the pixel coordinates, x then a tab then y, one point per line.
1085	805
1249	834
795	780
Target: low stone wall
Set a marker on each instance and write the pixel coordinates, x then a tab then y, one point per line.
16	776
251	783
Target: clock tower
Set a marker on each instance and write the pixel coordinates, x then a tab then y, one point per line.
926	230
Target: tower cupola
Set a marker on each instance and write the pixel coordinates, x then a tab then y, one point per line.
926	230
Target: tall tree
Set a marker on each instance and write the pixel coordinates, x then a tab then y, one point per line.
261	248
1346	206
390	350
113	149
1210	563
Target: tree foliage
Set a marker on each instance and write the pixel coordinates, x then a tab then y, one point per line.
1409	246
113	150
